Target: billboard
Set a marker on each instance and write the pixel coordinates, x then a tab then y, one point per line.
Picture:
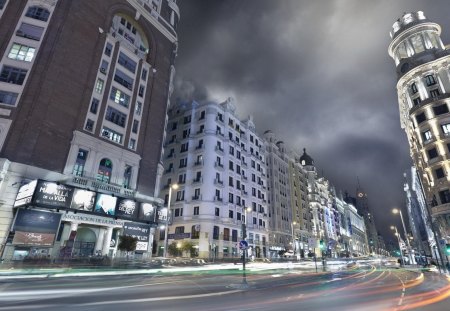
54	194
105	204
83	200
147	212
161	214
139	231
34	227
25	194
127	208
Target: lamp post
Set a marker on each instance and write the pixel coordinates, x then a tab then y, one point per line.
174	186
244	251
397	211
293	238
399	246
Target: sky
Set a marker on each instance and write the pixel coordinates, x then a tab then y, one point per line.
316	73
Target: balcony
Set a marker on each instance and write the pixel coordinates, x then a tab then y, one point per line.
218	182
218	165
198	163
218	199
442	209
197	180
196	198
91	183
219	149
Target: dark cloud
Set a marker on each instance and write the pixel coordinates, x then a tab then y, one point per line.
317	73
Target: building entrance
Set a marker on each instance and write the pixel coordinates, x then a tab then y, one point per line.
84	245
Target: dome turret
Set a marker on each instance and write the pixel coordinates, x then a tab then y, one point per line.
305	159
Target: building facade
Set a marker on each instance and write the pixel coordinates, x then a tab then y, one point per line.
422	66
218	164
84	90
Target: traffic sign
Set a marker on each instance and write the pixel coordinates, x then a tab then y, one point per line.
243	244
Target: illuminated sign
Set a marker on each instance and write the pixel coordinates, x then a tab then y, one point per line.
105	204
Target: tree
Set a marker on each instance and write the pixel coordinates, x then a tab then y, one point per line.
177	249
188	247
174	250
127	244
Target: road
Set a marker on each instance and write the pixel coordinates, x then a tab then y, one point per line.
361	288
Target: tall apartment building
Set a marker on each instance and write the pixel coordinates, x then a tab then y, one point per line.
288	206
423	86
218	163
362	205
84	90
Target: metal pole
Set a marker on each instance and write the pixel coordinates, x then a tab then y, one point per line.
244	251
399	246
406	237
167	224
315	259
437	260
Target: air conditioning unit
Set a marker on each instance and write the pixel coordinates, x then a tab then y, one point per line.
105	133
103	70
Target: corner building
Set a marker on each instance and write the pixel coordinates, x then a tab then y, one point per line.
218	163
84	89
423	72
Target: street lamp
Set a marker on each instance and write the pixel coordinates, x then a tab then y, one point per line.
399	246
293	239
244	251
175	187
397	211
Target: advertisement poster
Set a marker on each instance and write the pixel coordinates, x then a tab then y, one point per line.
161	214
127	208
50	193
147	212
139	231
25	194
83	200
105	204
34	227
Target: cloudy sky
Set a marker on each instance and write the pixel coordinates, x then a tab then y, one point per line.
317	73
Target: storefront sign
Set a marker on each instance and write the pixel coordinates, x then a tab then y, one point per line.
105	204
179	236
50	193
83	200
25	194
147	212
127	208
139	231
34	227
92	219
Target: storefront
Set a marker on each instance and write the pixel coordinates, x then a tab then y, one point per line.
56	221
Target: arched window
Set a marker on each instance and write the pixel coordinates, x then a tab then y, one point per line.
38	13
125	27
104	170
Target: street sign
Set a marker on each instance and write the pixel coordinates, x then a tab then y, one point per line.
243	244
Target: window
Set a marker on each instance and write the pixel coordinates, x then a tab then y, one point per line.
184	147
216	212
434	93
416	101
439	173
230	197
216	233
446	129
226	234
138	108
30	31
430	80
196	210
234	235
99	86
195	231
179	229
420	118
108	49
21	52
89	125
238	216
444	196
183	162
432	153
112	135
196	194
231	166
135	126
104	170
115	116
187	119
230	214
78	168
230	181
38	13
13	75
441	109
127	62
123	79
141	90
180	195
2	4
8	98
202	115
94	105
132	144
144	74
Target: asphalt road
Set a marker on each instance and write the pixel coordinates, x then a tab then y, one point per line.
361	289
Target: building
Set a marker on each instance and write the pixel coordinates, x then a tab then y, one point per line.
362	205
289	213
218	163
423	84
84	90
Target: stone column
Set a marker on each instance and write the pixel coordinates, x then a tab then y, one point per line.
107	240
100	239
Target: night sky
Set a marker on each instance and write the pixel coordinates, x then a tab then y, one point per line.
316	73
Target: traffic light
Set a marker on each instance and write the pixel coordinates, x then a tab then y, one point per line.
321	244
447	250
244	231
